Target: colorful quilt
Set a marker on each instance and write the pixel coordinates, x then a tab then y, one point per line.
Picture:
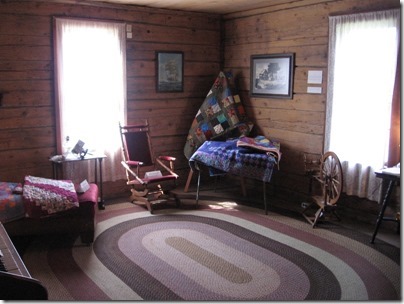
221	116
45	196
240	161
261	143
11	202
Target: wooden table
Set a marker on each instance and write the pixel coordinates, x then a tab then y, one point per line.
97	158
226	157
393	179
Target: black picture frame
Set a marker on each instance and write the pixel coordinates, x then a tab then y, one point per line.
272	75
169	71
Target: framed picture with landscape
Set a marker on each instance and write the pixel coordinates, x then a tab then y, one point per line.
170	71
272	75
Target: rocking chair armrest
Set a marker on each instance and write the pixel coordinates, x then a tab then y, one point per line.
165	167
128	169
167	158
134	163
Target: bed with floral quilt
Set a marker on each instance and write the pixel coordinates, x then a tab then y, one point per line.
46	206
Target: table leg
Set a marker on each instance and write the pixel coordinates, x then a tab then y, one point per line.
383	209
96	172
197	187
265	197
101	205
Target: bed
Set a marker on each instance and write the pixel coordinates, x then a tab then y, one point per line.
46	206
254	158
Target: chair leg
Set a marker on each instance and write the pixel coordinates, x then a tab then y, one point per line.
188	180
197	187
141	196
149	206
138	194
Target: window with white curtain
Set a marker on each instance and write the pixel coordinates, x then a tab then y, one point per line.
91	87
363	52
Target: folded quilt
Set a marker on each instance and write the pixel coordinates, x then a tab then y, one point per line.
45	196
261	143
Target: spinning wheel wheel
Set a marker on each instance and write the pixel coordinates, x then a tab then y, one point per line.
331	177
330	180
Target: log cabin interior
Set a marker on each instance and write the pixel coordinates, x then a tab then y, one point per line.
212	37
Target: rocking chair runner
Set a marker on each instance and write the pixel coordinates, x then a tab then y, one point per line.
137	153
330	179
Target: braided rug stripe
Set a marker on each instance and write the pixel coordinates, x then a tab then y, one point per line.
215	254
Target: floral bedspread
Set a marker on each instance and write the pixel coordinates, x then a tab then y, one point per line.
240	161
44	196
11	202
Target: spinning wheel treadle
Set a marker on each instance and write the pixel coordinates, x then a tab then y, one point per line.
330	180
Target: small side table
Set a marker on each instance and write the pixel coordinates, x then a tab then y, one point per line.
97	158
393	179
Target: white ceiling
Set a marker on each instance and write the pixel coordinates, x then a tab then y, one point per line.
206	6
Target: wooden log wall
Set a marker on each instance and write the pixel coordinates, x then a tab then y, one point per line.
299	27
27	105
210	43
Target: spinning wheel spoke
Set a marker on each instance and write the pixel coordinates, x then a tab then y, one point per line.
335	187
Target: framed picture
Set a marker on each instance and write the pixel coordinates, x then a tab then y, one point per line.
272	75
170	71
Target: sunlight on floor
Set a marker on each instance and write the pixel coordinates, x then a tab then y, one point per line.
224	205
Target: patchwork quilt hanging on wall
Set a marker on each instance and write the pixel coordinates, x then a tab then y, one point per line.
221	116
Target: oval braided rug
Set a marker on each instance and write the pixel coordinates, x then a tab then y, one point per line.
215	253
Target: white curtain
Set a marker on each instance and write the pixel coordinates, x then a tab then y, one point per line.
363	52
91	86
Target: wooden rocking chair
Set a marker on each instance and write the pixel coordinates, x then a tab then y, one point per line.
329	176
137	153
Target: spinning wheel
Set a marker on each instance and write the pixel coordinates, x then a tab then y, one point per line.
330	180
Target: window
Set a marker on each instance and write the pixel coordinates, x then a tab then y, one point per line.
91	86
363	51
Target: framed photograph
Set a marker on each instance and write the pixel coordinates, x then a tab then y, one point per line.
272	75
170	71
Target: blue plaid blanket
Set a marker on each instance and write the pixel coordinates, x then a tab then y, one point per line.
226	157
